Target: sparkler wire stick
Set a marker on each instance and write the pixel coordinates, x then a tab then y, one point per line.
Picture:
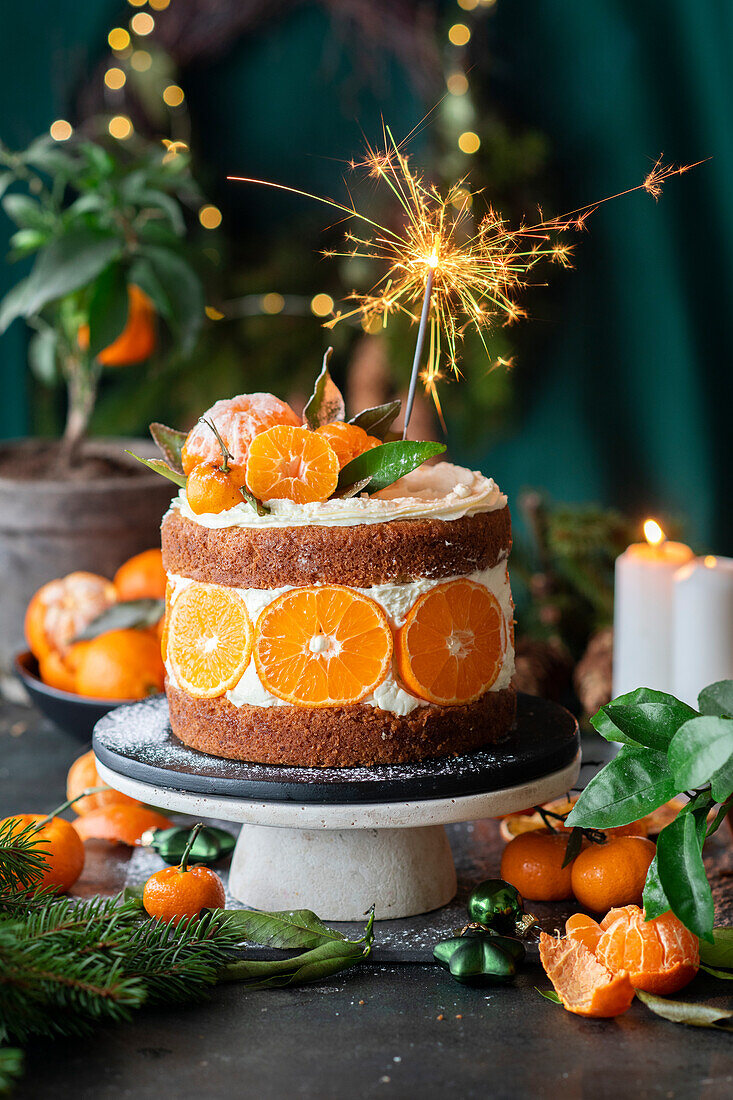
418	347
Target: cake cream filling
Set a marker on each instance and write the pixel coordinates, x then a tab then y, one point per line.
443	491
396	600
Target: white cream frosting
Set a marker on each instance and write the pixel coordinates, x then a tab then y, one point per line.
443	491
396	600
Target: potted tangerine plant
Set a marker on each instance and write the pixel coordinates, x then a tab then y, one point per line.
105	226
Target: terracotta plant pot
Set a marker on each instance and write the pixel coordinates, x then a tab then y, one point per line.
51	525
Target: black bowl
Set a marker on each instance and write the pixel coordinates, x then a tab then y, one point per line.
76	714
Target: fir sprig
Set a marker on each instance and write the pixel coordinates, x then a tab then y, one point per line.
11	1068
22	856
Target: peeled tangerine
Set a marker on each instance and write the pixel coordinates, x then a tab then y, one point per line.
596	968
238	420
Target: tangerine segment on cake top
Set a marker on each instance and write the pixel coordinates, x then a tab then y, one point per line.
348	440
322	647
295	464
451	648
209	639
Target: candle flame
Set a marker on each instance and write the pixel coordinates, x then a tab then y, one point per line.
653	533
710	561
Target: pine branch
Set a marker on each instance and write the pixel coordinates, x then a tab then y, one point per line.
22	858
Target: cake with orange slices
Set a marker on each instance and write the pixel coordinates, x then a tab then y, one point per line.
332	600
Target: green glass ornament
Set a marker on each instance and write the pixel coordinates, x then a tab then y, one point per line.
478	958
211	844
495	904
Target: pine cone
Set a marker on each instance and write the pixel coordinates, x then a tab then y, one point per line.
542	668
593	673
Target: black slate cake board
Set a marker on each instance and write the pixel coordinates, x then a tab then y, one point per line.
137	741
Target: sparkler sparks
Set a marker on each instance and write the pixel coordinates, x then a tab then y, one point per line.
444	270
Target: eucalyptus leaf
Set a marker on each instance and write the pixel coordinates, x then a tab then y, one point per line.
68	263
699	749
605	724
325	405
720	951
126	615
379	419
654	899
717	698
108	308
682	875
287	929
161	467
631	785
386	464
42	355
549	995
683	1012
170	444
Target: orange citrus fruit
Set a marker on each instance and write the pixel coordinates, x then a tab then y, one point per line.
210	489
141	577
60	846
238	420
136	342
451	648
83	774
322	647
174	894
62	608
605	875
532	862
292	464
660	956
584	985
119	664
55	672
122	824
209	639
348	440
514	824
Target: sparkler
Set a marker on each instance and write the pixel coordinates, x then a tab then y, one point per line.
444	270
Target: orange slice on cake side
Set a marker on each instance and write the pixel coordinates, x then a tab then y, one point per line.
209	640
451	648
295	464
322	647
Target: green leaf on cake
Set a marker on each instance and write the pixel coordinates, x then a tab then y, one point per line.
717	699
386	464
325	405
379	419
170	444
158	466
127	615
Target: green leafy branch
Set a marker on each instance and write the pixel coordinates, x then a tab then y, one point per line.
97	220
667	749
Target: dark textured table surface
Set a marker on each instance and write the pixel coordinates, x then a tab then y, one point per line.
379	1031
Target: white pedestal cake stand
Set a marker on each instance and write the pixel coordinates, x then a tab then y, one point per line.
339	840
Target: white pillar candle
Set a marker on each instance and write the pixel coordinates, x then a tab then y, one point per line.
703	630
643	612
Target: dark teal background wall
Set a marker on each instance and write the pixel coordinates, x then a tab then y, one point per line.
624	384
